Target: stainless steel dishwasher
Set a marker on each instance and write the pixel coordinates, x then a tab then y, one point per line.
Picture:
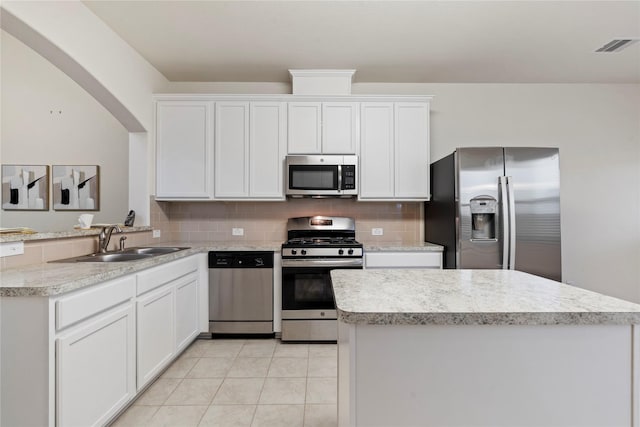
241	292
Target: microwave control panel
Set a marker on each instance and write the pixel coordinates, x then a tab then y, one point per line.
348	177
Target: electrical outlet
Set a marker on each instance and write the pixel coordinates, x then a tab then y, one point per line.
237	231
377	231
156	234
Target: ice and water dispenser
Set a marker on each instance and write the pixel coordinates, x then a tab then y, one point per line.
483	218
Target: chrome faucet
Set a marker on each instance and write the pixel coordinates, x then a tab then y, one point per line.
105	236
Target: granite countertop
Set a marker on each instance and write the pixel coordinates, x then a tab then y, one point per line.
55	278
403	247
76	232
470	297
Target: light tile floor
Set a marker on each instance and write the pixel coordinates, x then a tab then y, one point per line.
252	383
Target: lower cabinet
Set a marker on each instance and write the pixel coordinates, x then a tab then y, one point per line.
156	346
167	322
403	259
95	364
79	358
186	311
167	307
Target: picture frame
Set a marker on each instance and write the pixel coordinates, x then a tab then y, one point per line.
76	187
25	187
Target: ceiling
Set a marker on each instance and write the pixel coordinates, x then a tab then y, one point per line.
384	41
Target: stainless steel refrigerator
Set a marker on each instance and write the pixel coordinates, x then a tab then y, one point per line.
497	207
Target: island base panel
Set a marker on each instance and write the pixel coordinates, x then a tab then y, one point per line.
486	375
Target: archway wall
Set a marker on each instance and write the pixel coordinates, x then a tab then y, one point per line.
71	37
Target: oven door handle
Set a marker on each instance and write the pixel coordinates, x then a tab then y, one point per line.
337	263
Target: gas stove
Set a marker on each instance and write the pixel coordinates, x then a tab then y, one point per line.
321	237
316	245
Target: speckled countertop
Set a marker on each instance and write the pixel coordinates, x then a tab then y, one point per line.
77	232
403	247
48	279
470	297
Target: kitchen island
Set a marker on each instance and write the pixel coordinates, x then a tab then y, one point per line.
482	348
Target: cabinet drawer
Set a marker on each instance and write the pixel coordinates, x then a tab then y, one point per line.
86	303
158	276
403	260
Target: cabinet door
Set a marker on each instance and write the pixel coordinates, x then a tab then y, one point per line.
267	139
412	151
304	127
232	150
339	127
184	144
376	150
186	310
156	331
96	368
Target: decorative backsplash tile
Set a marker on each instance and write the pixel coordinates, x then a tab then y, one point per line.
267	221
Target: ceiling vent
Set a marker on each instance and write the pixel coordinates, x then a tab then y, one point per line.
617	45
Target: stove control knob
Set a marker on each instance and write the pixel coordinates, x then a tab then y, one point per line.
293	252
303	252
350	252
340	252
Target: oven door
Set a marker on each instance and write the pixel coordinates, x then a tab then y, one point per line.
307	288
308	306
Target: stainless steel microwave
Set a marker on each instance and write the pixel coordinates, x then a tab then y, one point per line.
321	176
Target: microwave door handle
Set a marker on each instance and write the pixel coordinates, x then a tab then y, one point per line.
339	177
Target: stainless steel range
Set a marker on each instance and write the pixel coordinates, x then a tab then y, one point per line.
316	245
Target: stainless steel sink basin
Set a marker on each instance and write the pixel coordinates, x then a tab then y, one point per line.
109	257
157	250
131	254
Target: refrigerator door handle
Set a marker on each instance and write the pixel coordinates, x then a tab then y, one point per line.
512	224
504	213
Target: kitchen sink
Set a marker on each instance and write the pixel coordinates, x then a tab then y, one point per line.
157	250
131	254
108	257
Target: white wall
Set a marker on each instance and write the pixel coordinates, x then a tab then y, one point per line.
85	133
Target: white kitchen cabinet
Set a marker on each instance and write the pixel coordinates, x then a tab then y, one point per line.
322	127
155	329
339	127
95	368
232	150
184	150
403	259
376	150
78	358
249	147
267	149
411	150
167	311
394	151
186	311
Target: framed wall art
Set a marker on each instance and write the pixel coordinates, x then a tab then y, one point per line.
76	188
25	187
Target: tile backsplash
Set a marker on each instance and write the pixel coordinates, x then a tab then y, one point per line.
267	221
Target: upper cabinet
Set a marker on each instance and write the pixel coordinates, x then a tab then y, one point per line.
267	149
322	127
394	151
184	150
249	150
232	147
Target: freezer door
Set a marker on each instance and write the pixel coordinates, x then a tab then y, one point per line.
477	171
535	183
